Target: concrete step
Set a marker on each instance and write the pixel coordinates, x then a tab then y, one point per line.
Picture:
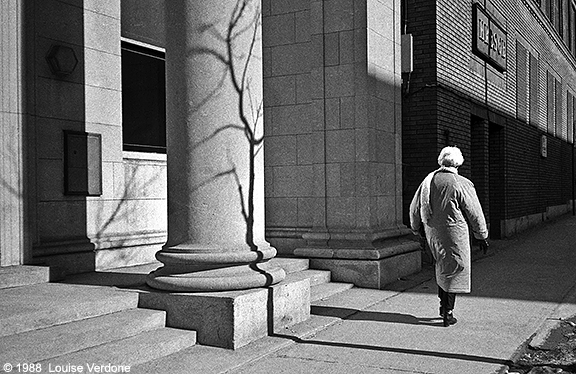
74	336
315	276
144	347
291	264
325	290
320	285
124	277
17	276
43	305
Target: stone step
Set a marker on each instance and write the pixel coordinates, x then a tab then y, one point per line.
315	276
291	265
124	277
17	276
324	290
74	336
43	305
138	349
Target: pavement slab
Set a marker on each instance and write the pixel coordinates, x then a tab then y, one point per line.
522	285
524	282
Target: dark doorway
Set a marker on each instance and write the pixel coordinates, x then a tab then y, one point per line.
496	195
487	171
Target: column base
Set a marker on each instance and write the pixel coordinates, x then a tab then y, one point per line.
367	265
238	277
235	318
201	268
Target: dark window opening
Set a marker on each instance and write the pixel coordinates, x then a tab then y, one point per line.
551	100
143	99
570	117
560	18
534	93
572	28
522	82
568	38
558	124
573	104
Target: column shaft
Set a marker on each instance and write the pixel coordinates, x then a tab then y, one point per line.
215	161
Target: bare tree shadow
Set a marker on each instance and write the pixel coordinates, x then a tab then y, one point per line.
237	68
137	186
234	47
415	352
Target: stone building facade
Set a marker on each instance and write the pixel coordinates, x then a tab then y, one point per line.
97	205
333	131
497	79
96	102
93	160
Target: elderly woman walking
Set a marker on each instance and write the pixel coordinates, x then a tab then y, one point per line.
443	207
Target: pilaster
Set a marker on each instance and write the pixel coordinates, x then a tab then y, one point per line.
358	232
12	121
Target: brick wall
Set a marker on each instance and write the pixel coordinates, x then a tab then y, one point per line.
419	112
451	85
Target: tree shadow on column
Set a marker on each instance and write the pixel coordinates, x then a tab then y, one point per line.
245	20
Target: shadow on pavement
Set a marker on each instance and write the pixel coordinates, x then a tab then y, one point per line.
534	265
360	315
418	352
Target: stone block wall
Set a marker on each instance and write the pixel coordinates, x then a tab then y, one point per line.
332	117
126	224
293	142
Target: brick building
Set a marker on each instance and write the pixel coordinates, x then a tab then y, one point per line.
497	79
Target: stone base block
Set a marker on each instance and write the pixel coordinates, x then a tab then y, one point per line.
127	256
370	273
22	275
232	319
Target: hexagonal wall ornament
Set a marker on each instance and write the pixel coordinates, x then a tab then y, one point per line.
61	59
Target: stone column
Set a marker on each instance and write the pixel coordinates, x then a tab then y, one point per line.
11	133
214	90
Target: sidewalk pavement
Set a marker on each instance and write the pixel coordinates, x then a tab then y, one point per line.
521	288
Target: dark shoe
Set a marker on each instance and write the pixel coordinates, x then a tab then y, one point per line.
448	318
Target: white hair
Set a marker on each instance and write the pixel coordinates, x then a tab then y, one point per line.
450	156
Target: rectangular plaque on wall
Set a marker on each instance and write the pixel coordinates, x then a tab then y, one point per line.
489	38
82	163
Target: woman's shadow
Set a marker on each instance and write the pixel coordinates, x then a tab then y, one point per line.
361	315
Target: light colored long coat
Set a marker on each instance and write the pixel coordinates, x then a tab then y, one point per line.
453	205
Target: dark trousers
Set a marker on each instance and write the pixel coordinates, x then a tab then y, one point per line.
447	299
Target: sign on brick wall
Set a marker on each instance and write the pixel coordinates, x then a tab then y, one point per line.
489	39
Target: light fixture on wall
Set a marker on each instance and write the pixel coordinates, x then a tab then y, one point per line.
61	59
